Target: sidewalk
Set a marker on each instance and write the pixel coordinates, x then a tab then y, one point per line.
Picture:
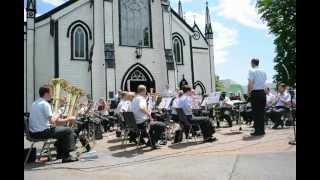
232	157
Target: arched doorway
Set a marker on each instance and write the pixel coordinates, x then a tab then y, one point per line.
199	88
136	75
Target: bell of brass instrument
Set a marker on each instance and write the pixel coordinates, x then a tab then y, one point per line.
57	85
74	94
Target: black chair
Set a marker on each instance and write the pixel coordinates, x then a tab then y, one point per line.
182	118
130	125
46	142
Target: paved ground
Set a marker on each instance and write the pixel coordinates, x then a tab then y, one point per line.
233	157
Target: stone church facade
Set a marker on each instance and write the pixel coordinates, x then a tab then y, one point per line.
105	45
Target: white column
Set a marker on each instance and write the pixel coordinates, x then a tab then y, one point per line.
211	58
98	62
30	63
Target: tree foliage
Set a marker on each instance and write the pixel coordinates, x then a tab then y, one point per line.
280	16
219	84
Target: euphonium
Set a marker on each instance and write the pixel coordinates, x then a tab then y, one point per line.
56	85
73	97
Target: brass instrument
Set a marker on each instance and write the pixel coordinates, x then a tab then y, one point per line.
72	97
57	85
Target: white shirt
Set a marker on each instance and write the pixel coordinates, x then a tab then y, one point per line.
270	99
174	105
123	106
281	98
39	115
185	102
258	77
138	103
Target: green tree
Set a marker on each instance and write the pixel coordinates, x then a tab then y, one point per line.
219	84
280	16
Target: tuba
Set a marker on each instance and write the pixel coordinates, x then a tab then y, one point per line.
72	101
73	95
57	85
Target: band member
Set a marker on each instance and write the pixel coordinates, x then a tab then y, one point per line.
282	106
185	102
226	109
173	105
122	106
142	116
256	85
247	111
41	121
270	98
102	107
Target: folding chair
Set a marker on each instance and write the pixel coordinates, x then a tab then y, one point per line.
182	118
46	142
130	125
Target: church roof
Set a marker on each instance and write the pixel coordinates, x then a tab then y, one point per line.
67	3
182	20
197	27
54	10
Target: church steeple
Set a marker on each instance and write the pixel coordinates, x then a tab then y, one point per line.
180	12
31	5
208	28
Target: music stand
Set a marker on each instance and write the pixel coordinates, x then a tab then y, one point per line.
292	142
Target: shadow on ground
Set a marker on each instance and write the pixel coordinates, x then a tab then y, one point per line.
183	145
132	152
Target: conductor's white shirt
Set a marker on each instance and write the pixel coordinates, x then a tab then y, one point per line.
258	77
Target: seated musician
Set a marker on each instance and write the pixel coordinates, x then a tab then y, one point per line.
40	125
123	98
282	104
246	114
185	102
142	116
174	116
226	108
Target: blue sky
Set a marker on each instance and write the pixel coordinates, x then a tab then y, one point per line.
239	34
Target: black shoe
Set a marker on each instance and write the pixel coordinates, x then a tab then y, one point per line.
257	134
211	139
69	159
275	126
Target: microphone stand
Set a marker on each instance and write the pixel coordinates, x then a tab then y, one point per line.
292	142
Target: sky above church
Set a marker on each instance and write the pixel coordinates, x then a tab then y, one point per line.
239	34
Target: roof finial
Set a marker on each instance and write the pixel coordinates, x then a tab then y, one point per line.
208	27
180	12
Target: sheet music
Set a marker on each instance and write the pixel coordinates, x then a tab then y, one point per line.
213	98
165	103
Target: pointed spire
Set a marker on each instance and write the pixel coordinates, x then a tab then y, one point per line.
180	12
31	5
208	30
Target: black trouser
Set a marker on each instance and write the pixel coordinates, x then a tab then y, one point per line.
226	113
65	139
205	125
246	115
258	102
155	131
275	114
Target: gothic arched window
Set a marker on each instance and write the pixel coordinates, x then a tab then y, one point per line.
135	23
79	43
178	50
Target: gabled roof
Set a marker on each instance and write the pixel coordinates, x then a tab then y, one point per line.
196	26
182	20
54	10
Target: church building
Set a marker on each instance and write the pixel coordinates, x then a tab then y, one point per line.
102	46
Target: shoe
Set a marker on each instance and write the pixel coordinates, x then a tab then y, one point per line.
257	134
275	126
69	159
210	139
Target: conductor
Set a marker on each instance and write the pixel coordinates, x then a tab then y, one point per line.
256	85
